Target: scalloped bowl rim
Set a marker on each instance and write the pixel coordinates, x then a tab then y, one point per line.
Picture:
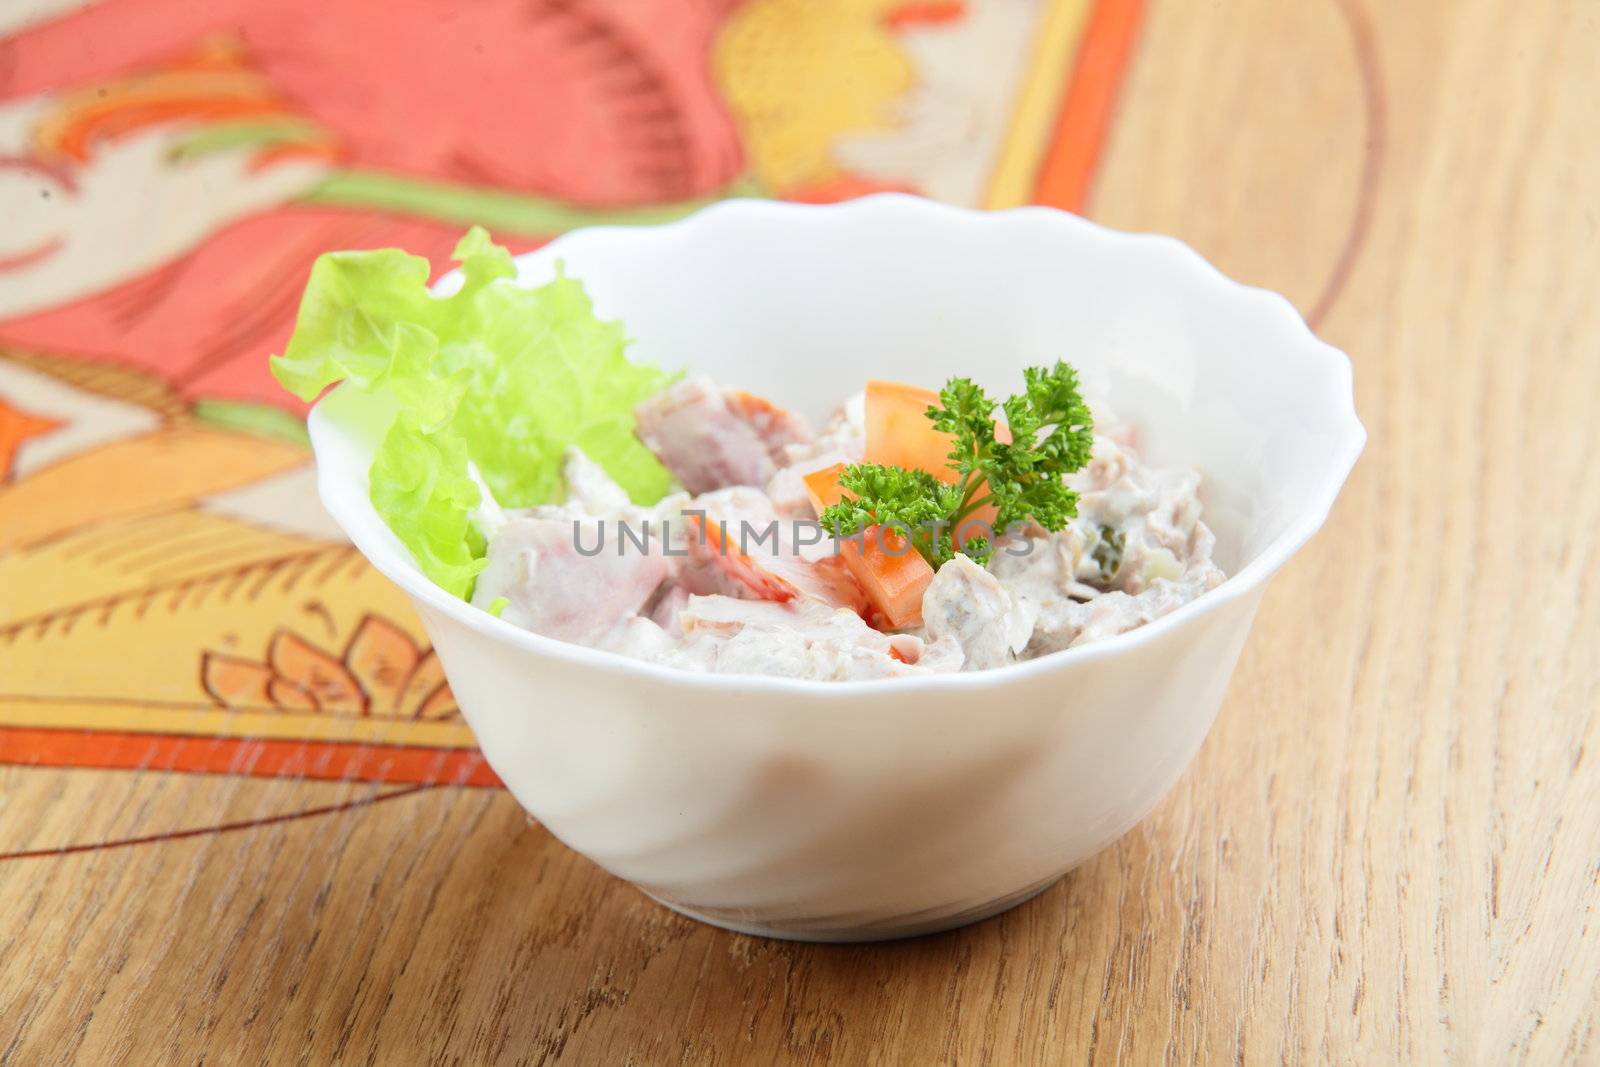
354	514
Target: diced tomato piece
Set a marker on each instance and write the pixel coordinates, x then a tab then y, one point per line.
900	434
741	567
823	485
782	578
889	570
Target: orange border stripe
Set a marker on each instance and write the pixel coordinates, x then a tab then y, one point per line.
1085	115
326	761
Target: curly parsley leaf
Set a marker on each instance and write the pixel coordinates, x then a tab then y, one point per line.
912	501
1052	435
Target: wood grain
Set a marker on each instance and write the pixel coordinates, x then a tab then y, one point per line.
1388	851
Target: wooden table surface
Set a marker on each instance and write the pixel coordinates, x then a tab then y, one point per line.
1388	850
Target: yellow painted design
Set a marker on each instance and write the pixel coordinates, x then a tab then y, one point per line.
125	556
194	623
1038	100
150	642
127	605
140	475
798	73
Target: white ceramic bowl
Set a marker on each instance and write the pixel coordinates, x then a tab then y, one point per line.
855	811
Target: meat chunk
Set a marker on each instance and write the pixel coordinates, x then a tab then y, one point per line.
779	429
591	493
589	487
1066	623
739	533
698	437
1136	551
668	607
787	491
787	487
711	439
803	639
1044	565
842	440
553	588
968	605
638	638
844	434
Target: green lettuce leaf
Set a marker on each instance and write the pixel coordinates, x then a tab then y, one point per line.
496	375
420	485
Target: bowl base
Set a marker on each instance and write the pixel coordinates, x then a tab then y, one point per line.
882	930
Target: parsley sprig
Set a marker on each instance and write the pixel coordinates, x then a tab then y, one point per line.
1052	435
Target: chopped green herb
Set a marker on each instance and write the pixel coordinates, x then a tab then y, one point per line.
1108	552
1052	435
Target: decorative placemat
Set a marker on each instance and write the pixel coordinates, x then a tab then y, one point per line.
172	597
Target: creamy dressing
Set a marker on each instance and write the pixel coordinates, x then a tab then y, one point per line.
1136	551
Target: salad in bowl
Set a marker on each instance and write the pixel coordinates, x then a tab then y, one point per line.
889	562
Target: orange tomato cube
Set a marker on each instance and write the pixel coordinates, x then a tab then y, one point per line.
890	571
